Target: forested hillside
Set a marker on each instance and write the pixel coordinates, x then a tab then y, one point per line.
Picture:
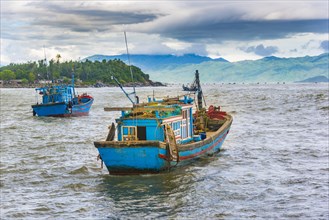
88	72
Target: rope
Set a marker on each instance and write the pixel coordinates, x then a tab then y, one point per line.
100	158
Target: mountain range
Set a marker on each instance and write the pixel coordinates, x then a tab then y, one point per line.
181	69
154	62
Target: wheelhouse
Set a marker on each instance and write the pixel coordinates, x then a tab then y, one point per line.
56	94
147	121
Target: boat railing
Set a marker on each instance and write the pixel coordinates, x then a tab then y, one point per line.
210	138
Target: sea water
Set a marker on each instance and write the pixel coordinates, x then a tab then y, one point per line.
273	165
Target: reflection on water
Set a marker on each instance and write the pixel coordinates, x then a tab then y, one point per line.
147	195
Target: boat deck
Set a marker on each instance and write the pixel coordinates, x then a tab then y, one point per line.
210	133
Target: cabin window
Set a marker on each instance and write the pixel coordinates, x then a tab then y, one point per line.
129	133
176	128
185	124
184	128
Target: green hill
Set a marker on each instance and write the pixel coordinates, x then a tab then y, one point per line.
88	72
173	69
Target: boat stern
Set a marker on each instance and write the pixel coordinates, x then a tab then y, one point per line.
132	157
52	109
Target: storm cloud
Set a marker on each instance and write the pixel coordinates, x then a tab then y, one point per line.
246	30
261	50
83	28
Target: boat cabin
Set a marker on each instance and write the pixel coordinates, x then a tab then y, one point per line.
56	94
148	121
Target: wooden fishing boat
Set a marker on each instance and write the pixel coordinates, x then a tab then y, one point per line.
191	88
62	101
161	134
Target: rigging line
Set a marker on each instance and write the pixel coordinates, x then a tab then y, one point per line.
204	100
132	80
196	106
131	72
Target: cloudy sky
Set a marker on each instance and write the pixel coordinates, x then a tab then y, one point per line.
233	30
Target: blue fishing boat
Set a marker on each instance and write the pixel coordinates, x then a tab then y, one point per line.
62	101
162	134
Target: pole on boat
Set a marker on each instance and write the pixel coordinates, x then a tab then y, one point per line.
131	72
119	84
136	99
72	81
199	97
44	51
197	81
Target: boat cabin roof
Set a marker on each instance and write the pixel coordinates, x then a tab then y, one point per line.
54	87
155	109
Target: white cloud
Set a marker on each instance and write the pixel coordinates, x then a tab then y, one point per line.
82	28
293	46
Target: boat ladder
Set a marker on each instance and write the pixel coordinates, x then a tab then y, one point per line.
173	150
111	134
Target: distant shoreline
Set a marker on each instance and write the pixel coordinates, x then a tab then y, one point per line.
37	85
33	86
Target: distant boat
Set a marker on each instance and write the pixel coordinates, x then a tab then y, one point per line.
62	101
190	88
162	134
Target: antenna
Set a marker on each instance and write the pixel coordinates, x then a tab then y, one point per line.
131	72
44	51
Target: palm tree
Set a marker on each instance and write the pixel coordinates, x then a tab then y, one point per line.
58	57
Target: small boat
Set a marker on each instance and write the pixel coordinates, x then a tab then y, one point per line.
162	134
189	88
62	101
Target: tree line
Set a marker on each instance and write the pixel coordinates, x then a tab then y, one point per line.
87	71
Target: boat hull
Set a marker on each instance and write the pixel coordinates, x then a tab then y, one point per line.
128	158
62	109
136	157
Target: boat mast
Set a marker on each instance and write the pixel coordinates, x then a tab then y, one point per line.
131	72
197	81
44	51
72	81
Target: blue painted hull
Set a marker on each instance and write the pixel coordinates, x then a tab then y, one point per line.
62	109
142	158
153	156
